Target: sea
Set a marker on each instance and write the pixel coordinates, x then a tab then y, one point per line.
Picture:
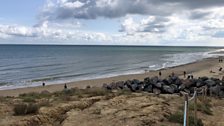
31	65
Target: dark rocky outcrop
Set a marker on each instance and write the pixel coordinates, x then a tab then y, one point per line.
170	85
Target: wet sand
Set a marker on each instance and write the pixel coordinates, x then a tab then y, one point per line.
198	69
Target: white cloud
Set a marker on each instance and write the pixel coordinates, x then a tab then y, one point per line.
51	31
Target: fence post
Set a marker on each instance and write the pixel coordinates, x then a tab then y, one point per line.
186	110
195	108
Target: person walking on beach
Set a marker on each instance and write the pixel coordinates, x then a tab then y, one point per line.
160	74
65	86
185	74
43	84
172	74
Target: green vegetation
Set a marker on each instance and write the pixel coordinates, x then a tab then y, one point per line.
178	118
204	107
34	95
29	99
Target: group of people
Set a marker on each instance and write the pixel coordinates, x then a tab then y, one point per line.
190	76
220	60
65	86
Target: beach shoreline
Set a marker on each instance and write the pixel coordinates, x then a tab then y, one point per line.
198	68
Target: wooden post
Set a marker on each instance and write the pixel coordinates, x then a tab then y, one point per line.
195	108
203	94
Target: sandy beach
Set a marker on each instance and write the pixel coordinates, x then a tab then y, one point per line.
199	68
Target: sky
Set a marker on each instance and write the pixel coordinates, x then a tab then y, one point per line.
112	22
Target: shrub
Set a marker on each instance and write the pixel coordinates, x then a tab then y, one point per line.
178	118
204	107
20	109
35	95
29	99
23	109
32	108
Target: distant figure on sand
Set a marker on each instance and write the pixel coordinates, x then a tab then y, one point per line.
160	74
222	78
190	76
145	71
65	86
220	69
172	74
185	74
212	71
43	84
220	60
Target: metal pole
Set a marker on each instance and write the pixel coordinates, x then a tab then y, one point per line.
195	108
186	110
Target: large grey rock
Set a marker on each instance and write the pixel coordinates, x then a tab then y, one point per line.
168	89
147	80
181	87
215	90
156	91
175	87
154	80
148	88
134	87
188	83
200	83
174	78
178	81
210	82
120	84
165	81
204	78
135	81
159	85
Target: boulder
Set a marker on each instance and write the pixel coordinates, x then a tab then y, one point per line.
156	91
134	87
178	81
188	83
168	89
210	83
174	78
105	86
148	88
200	83
165	81
215	90
169	80
181	87
159	85
147	80
204	78
128	83
175	87
120	84
154	80
135	81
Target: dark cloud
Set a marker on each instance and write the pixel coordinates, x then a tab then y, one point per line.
199	15
158	25
91	9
